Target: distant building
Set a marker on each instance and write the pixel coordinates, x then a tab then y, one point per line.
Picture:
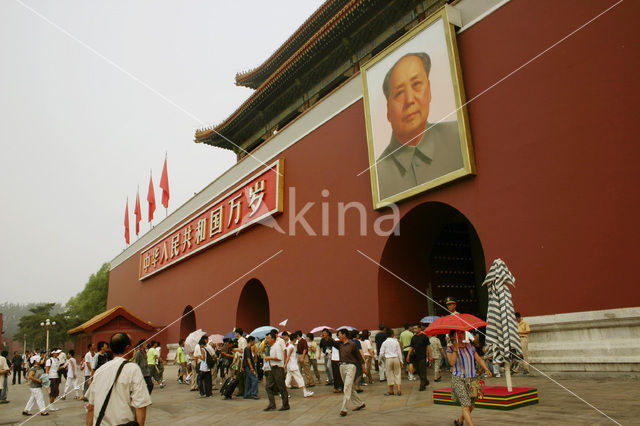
116	319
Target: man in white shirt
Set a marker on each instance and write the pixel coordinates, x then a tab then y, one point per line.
275	380
242	342
87	368
62	357
338	384
72	375
204	379
159	364
195	376
51	368
242	345
4	373
129	397
391	352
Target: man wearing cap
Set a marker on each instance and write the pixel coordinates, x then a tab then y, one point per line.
51	368
451	303
35	358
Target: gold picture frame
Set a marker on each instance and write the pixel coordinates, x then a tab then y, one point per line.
412	123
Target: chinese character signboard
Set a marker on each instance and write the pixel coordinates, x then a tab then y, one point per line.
252	200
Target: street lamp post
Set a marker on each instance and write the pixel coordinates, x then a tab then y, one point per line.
47	323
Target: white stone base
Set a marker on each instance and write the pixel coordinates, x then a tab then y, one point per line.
593	341
171	355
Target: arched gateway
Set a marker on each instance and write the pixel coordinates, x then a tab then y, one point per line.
188	322
439	253
253	306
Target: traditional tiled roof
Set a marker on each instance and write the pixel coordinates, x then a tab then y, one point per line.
323	52
255	77
107	316
282	70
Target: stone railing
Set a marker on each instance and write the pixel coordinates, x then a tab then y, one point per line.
593	341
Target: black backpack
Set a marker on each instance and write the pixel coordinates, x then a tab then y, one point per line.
209	358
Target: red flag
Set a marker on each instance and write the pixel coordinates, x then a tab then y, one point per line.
164	184
137	212
151	198
126	222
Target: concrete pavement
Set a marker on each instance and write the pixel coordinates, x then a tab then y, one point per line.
174	405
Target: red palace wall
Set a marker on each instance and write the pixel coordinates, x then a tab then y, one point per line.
555	195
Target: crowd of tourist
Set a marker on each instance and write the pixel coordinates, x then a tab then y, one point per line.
289	360
281	360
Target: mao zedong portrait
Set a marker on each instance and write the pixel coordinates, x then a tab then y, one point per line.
419	151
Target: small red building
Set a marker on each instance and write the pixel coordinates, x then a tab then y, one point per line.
104	325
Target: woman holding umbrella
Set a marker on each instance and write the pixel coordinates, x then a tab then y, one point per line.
463	357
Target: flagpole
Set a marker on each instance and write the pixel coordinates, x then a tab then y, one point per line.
125	241
126	224
166	209
137	201
151	177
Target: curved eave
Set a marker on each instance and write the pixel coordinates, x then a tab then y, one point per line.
106	316
210	136
255	77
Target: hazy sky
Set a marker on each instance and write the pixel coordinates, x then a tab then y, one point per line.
79	135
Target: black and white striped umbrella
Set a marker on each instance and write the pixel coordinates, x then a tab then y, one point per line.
503	339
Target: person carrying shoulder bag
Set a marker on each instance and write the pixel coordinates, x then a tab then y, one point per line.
118	390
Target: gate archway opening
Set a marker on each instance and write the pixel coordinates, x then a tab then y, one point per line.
440	254
253	306
188	322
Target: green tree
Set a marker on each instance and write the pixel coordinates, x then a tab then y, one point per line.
92	300
29	326
12	312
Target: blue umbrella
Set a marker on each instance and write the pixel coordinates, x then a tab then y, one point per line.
348	327
429	319
261	332
230	335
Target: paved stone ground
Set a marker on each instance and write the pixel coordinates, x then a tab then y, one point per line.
175	405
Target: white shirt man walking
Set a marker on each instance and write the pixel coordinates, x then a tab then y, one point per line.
87	368
127	393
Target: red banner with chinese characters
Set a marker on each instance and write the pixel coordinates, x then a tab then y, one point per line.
249	202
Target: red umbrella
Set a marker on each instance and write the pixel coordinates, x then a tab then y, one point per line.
444	325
